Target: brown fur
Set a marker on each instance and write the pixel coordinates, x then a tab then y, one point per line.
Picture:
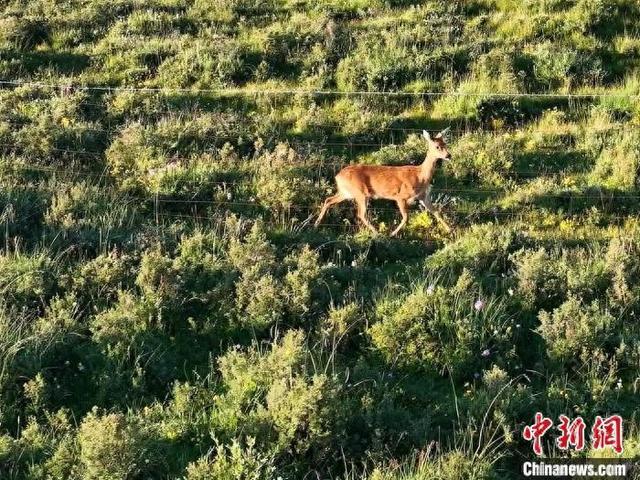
404	185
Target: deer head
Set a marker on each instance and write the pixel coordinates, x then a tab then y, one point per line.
437	145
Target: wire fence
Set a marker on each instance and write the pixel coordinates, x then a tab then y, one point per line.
296	91
321	164
345	142
602	195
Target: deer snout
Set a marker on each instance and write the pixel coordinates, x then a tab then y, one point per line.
447	156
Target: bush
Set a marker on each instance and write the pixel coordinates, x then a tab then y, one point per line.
254	251
26	279
49	125
156	278
301	280
280	183
229	10
120	328
265	293
260	301
233	463
440	329
143	154
412	152
454	465
545	279
24	33
574	330
104	276
552	66
380	69
111	447
206	64
621	260
482	248
618	165
489	159
273	398
483	79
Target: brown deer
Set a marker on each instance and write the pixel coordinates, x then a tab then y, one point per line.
404	184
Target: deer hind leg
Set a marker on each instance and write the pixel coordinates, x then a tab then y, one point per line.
361	203
404	211
426	203
328	203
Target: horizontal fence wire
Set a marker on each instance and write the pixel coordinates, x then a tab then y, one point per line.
321	165
437	190
294	91
310	127
157	212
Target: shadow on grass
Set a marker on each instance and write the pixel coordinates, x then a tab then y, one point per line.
64	63
552	161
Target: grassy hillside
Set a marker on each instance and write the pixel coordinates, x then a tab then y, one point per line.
167	310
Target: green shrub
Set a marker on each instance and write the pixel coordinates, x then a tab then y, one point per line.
412	152
441	329
47	125
552	65
621	260
29	455
26	279
490	159
111	447
233	463
290	45
121	327
272	397
24	33
84	209
481	248
104	276
143	153
260	301
156	278
575	330
206	64
60	320
381	69
280	183
618	165
228	11
454	465
546	278
465	104
202	273
254	251
301	280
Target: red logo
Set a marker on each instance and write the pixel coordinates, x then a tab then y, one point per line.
572	433
605	433
536	431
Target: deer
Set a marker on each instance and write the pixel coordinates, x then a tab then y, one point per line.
404	184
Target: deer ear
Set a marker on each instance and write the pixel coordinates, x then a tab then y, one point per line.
426	135
443	132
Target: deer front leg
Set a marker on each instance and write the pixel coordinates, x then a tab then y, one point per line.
404	211
428	206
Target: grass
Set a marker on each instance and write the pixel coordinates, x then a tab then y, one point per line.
168	311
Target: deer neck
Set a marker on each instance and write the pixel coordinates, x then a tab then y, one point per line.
428	168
